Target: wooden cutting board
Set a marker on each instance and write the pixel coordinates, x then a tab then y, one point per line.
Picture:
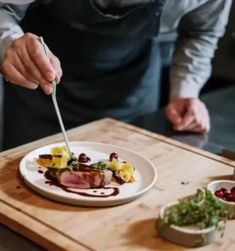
54	226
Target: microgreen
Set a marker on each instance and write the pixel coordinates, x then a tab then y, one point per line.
100	165
73	161
199	211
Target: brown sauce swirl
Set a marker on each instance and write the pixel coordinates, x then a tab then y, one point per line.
52	181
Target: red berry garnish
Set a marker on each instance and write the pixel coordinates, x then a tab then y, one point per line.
229	197
233	195
223	189
82	158
219	193
233	190
226	194
113	156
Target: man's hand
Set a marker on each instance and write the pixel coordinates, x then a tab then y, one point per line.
188	114
26	64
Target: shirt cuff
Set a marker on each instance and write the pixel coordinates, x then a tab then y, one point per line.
184	89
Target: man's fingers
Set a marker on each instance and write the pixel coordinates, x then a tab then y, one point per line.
38	56
173	115
199	129
57	67
30	66
187	119
195	126
200	124
19	65
28	69
19	79
47	88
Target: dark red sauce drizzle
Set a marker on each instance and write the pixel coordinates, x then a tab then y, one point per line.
54	182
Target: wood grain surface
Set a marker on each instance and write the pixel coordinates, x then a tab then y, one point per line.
55	226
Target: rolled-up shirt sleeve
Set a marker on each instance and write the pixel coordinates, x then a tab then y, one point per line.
198	34
10	15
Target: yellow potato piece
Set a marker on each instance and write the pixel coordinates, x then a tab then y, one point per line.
126	176
127	167
123	169
59	162
60	157
115	165
59	150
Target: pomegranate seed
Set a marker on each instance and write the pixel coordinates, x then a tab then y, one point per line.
233	195
229	197
82	158
219	193
226	194
113	156
82	155
223	189
233	190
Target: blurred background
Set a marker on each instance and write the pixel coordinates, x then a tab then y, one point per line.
218	94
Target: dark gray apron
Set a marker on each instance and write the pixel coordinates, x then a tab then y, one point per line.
110	67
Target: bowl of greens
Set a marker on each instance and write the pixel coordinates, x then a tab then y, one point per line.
193	221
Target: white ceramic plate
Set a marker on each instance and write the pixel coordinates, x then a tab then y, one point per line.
145	175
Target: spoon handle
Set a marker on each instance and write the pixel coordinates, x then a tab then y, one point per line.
56	104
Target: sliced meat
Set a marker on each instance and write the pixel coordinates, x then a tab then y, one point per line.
84	179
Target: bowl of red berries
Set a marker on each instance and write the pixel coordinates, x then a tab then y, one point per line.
224	190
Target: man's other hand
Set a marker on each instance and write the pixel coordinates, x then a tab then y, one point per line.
188	114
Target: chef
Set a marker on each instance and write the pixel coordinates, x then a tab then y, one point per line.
109	54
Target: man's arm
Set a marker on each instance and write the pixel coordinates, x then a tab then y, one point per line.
10	15
199	31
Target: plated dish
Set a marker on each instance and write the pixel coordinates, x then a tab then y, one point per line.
97	175
68	170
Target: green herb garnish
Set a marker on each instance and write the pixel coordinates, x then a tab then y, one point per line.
73	161
199	211
100	165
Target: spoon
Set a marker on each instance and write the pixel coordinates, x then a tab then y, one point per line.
56	104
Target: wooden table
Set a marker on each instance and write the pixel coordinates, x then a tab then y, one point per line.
56	226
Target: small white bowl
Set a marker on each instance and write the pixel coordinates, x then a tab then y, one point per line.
228	184
182	235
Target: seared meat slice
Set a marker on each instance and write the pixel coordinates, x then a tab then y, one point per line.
84	179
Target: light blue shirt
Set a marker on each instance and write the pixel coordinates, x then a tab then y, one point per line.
198	25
